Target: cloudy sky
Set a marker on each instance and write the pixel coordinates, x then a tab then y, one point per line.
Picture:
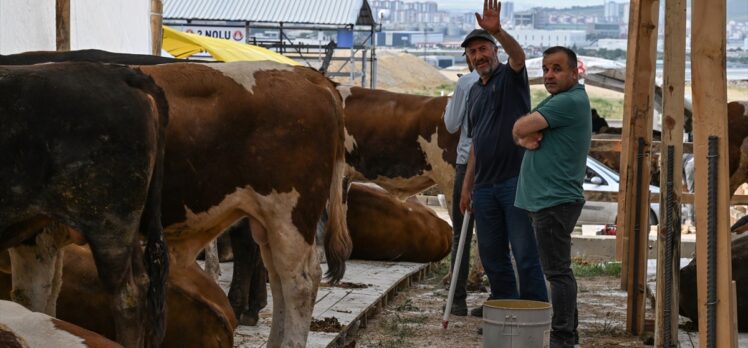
473	5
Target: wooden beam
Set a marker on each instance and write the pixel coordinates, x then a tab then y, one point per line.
709	84
62	19
668	236
633	201
157	10
615	145
685	198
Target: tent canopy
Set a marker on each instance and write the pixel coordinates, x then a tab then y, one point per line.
183	45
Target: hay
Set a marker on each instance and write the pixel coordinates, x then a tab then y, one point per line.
399	72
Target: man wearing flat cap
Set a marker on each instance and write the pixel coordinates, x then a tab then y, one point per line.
497	100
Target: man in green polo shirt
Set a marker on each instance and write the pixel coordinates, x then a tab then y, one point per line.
557	138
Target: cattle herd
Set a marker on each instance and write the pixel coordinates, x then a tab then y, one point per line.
119	169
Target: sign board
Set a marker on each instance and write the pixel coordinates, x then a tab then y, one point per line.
234	33
345	38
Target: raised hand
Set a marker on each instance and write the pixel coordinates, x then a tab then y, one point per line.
490	20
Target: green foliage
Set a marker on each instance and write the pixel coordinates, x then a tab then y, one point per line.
445	88
407	307
583	268
609	108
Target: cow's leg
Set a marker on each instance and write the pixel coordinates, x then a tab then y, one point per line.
119	263
248	293
212	264
294	271
258	292
37	270
260	235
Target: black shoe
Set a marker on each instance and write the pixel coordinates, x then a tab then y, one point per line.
458	309
477	312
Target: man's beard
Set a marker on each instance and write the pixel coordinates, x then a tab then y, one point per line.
487	72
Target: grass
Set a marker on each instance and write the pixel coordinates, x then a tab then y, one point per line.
437	91
609	108
583	268
610	325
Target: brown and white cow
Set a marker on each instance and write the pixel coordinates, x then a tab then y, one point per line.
82	148
198	312
385	228
265	141
22	328
398	141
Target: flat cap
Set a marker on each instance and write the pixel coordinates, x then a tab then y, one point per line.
478	34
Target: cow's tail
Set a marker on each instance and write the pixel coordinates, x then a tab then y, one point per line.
338	245
156	252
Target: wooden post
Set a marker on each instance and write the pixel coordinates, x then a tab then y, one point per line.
708	76
157	10
672	135
62	18
637	138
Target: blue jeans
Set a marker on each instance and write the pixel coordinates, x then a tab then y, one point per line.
553	227
499	223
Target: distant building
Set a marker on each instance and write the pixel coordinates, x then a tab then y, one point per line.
524	19
610	44
549	38
409	38
507	12
605	30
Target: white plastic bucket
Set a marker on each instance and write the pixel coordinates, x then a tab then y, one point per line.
516	324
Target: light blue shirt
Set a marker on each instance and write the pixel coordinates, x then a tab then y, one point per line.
455	115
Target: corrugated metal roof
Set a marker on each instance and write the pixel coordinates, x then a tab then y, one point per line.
335	12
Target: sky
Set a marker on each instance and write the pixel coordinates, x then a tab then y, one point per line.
474	5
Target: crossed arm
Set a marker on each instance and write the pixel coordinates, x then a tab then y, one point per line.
528	130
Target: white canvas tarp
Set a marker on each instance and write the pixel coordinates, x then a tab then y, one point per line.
111	25
27	25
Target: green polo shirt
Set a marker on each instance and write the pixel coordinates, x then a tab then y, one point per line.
553	174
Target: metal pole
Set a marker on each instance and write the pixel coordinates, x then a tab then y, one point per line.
637	236
373	78
711	246
669	245
456	269
363	68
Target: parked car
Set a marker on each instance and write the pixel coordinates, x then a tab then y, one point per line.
602	178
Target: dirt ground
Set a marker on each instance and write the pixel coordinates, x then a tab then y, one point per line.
414	319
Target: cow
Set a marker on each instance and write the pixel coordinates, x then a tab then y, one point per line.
89	55
83	147
737	135
20	327
249	252
399	142
688	291
265	141
385	228
191	294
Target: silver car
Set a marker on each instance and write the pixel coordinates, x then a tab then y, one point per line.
601	178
